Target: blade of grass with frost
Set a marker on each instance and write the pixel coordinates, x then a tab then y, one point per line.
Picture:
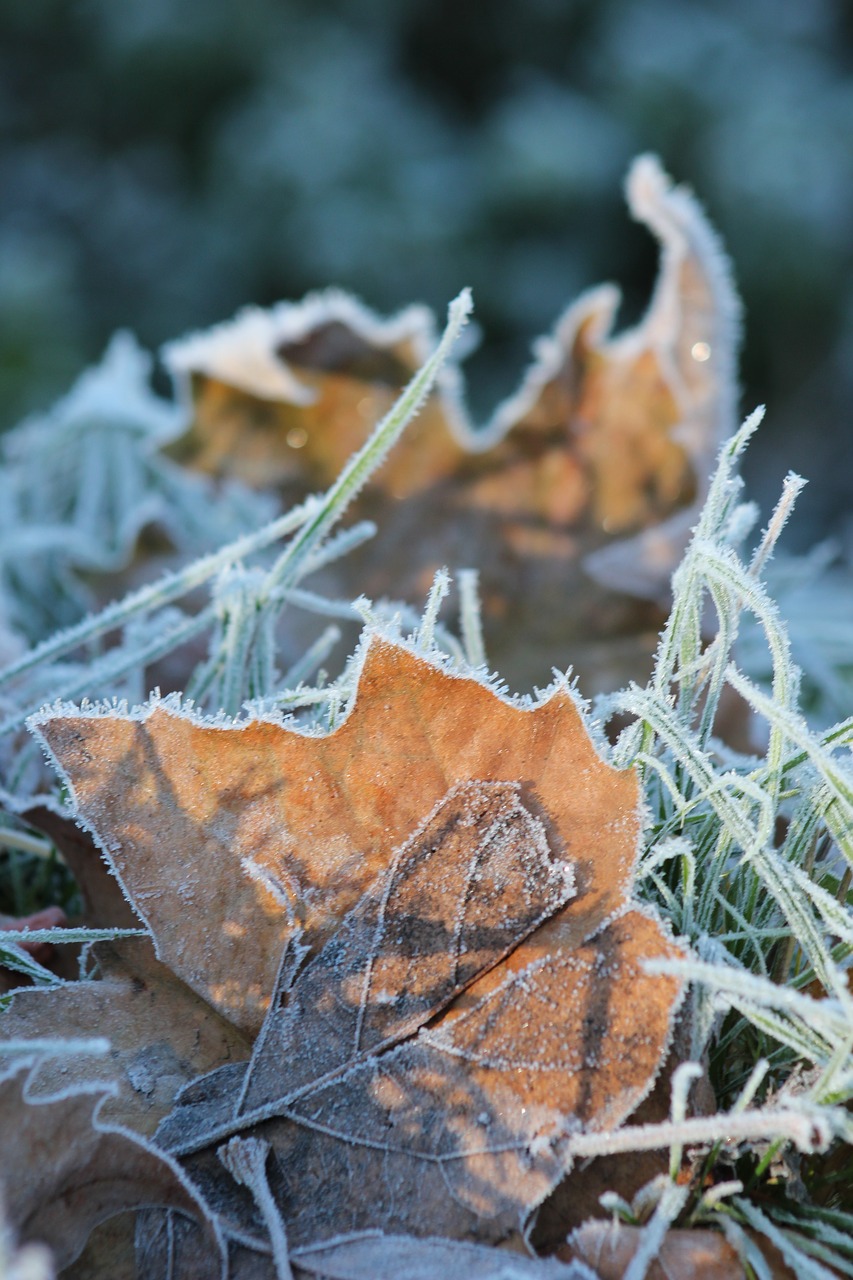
724	567
340	545
788	893
97	1046
226	678
672	1201
15	958
809	1131
60	935
471	617
670	728
794	727
23	842
835	1225
312	658
116	664
237	605
684	617
370	456
424	633
313	603
804	1268
168	588
813	1028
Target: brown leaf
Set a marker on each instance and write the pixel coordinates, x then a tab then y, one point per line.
64	1171
382	1257
254	832
460	1130
109	1251
579	1197
572	503
104	904
685	1254
161	1035
265	390
459	867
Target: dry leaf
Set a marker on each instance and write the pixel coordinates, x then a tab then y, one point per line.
578	495
104	905
460	1129
579	1197
688	1254
109	1251
381	1257
256	831
161	1035
65	1171
459	867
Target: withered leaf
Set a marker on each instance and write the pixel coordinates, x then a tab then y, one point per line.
381	1257
685	1254
255	832
64	1170
104	904
573	502
441	885
161	1035
460	1129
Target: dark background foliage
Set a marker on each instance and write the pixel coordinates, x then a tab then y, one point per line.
164	162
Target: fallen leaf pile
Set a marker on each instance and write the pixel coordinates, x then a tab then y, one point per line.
397	967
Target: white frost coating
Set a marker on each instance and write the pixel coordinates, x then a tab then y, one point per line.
672	1201
240	352
829	1017
55	1048
809	1130
175	704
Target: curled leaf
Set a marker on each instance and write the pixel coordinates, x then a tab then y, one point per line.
688	1254
574	502
64	1171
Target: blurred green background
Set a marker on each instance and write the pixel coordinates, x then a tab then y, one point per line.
164	162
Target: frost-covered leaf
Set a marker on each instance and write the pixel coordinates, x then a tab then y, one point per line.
29	1262
64	1170
578	494
288	394
459	865
459	1129
375	1256
161	1035
256	831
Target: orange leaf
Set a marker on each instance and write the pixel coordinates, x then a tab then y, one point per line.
254	832
573	503
460	867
